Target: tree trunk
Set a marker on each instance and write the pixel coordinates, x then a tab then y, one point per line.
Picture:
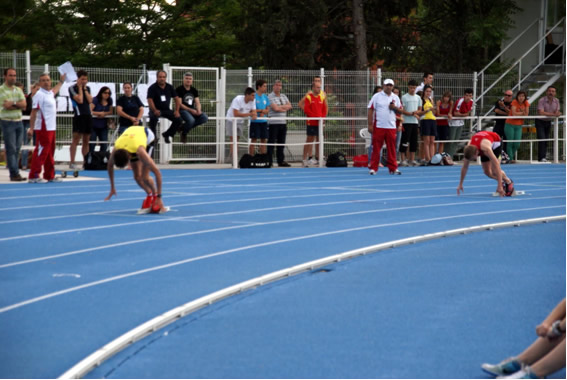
359	28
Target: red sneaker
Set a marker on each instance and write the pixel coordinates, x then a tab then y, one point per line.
147	205
509	189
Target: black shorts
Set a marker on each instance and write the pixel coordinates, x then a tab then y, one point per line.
442	132
312	130
409	137
428	127
259	130
496	152
83	124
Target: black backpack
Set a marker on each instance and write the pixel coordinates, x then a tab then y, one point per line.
337	160
254	162
97	160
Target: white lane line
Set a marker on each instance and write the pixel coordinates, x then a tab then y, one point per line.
95	359
239	212
234	250
214	230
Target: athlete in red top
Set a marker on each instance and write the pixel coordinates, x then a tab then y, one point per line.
487	146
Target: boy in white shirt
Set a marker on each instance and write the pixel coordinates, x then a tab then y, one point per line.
241	106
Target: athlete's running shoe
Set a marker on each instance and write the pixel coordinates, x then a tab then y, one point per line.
509	189
147	205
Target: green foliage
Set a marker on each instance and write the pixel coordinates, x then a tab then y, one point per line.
409	35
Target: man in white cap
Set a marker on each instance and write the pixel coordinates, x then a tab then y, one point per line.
382	111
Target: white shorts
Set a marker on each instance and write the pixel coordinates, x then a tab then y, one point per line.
239	128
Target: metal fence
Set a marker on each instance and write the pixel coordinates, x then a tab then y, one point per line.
348	93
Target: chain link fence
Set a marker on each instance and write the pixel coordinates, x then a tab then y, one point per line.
348	93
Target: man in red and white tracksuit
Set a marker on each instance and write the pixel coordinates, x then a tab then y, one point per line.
43	120
382	110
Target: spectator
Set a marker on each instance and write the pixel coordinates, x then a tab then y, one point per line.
513	128
44	121
277	131
12	102
444	107
190	108
461	108
412	106
241	106
547	106
130	109
26	121
159	99
428	124
101	107
376	90
399	120
543	357
135	146
382	111
427	80
259	126
82	118
314	105
502	108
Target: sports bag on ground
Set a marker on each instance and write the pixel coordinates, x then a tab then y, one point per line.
337	160
97	160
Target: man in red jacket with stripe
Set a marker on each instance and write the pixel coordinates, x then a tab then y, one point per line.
314	105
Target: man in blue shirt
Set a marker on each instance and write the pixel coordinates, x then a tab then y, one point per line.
259	127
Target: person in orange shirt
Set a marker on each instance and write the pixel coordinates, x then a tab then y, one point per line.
314	105
513	127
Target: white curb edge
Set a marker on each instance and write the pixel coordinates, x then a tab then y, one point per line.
104	353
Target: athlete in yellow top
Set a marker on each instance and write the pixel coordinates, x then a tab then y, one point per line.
133	147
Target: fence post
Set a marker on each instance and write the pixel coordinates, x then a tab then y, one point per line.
234	144
556	140
471	123
221	94
28	71
250	76
321	143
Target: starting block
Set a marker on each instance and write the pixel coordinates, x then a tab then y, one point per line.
514	193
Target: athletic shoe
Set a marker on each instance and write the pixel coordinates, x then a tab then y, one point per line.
55	179
414	163
509	189
305	163
524	373
147	205
395	172
313	162
504	368
37	180
284	165
372	172
404	163
166	138
17	178
543	160
74	166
